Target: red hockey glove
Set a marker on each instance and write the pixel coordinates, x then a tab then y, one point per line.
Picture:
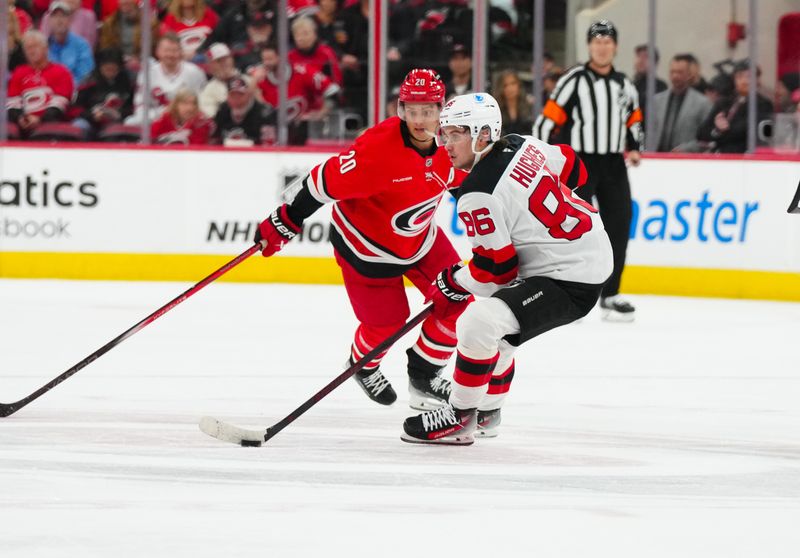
276	231
448	297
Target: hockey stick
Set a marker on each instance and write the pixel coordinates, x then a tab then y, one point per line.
230	433
7	409
794	207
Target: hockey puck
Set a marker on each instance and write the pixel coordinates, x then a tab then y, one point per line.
251	443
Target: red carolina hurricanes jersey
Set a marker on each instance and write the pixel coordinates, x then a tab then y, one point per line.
192	34
385	194
35	91
306	89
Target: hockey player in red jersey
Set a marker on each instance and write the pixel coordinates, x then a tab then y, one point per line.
385	189
540	257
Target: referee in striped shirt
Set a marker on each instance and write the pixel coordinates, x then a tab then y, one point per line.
595	109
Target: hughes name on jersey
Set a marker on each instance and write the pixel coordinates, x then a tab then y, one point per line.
523	219
385	194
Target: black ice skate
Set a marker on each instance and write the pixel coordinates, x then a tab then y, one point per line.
425	394
375	385
445	425
426	388
488	423
617	309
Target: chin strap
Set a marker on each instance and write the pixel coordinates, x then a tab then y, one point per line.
481	153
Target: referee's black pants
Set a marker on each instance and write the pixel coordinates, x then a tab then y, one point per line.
608	182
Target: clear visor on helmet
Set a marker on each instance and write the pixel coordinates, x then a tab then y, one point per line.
452	135
419	112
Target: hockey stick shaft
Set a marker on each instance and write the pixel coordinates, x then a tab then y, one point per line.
794	207
317	397
7	409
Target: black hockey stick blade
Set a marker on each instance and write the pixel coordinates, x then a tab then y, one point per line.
794	207
7	409
230	433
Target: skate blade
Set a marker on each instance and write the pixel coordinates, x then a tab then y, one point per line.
618	317
486	433
465	440
424	403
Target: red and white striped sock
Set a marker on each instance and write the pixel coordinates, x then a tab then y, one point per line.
499	385
363	343
471	380
435	343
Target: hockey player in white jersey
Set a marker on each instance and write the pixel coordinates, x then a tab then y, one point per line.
540	256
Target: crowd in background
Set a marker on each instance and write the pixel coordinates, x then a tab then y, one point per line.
76	72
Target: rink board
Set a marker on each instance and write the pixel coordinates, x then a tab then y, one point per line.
705	227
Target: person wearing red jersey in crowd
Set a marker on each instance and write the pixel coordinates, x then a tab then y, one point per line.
385	189
192	21
311	52
182	122
23	18
540	256
169	75
38	91
310	93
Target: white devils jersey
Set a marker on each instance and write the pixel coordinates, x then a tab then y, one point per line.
523	219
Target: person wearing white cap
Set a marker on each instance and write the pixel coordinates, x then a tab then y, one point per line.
64	46
222	69
83	22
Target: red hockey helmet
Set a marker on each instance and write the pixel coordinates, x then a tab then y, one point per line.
422	86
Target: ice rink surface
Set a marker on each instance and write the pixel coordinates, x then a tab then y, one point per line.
678	435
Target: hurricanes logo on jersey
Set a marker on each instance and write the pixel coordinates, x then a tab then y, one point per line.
411	221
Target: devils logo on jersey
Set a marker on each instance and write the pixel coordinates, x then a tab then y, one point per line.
413	220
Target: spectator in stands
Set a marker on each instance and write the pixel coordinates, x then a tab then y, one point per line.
352	32
242	120
65	47
232	28
192	21
725	128
460	65
182	123
15	54
641	63
515	107
720	87
222	71
301	8
259	31
311	94
83	22
310	51
785	87
23	18
107	97
39	90
326	17
680	111
167	76
697	80
123	30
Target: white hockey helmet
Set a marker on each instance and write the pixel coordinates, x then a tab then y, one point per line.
474	111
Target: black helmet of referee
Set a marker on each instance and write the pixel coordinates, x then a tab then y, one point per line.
602	28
